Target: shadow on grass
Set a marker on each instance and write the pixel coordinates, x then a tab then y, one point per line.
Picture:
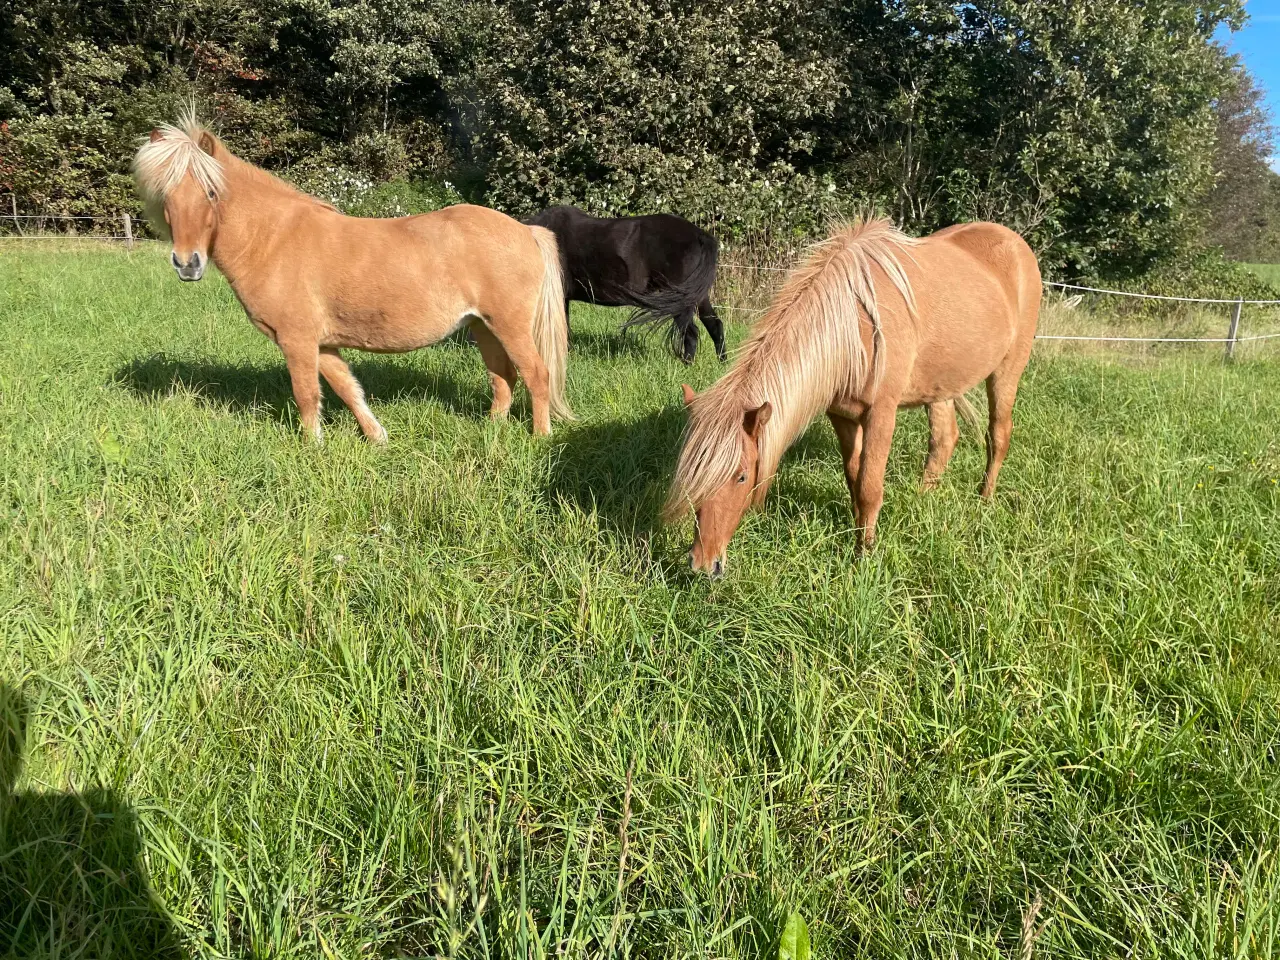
71	880
614	345
250	387
619	469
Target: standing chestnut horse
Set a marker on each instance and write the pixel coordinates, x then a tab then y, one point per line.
873	321
315	281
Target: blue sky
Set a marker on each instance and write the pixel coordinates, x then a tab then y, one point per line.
1259	44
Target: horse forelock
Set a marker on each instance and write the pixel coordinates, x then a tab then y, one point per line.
712	448
806	350
161	164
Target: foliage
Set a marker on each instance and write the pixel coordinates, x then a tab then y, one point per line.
1244	204
387	702
354	193
1205	273
795	939
1269	272
1090	128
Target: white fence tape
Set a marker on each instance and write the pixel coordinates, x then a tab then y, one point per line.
759	310
1231	340
1154	296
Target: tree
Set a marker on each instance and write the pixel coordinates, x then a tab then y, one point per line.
1244	204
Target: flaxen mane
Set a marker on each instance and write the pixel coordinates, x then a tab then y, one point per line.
806	350
159	166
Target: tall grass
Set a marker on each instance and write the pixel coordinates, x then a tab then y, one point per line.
459	696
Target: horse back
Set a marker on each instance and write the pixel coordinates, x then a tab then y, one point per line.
1002	255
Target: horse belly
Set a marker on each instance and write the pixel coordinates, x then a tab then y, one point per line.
393	318
949	365
383	330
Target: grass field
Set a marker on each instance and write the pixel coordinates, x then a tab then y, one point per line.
1269	272
459	696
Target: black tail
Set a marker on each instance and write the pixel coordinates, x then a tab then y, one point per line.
655	306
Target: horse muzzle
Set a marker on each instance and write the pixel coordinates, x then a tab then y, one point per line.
713	567
192	269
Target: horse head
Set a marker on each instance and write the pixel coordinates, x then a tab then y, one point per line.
717	514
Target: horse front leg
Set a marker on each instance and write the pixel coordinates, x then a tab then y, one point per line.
877	436
303	360
849	432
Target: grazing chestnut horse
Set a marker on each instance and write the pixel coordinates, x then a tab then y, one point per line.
871	322
315	281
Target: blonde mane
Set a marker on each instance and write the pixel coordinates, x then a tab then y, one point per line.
803	353
161	164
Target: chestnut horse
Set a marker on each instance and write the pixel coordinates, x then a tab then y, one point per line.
315	281
871	322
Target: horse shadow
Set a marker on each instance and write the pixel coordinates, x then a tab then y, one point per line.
266	389
72	882
618	469
613	345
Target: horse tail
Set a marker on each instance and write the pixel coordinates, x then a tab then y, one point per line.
968	412
654	306
550	326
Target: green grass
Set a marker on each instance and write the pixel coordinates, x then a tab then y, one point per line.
1270	272
286	701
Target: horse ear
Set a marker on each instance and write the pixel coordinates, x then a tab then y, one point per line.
156	135
207	143
688	394
753	421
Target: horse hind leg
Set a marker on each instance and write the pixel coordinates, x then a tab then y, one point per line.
1002	390
684	335
715	326
502	372
944	432
347	387
518	345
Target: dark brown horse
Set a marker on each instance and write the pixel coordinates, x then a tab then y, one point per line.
660	264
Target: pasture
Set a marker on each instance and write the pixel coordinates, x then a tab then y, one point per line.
460	695
1269	272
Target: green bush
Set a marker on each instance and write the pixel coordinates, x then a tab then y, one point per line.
1209	274
1089	128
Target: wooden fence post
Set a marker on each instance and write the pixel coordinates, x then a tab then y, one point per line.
1235	328
128	232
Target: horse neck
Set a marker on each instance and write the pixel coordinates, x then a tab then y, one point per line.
248	217
784	376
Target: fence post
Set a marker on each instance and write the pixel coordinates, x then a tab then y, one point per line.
1235	328
128	233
